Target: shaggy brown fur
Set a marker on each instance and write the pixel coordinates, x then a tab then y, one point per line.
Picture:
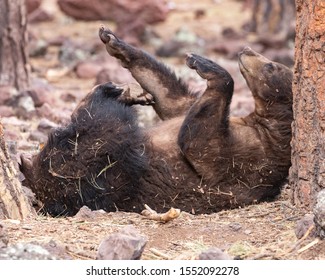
198	159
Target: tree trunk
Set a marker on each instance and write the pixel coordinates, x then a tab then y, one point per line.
307	174
14	70
13	73
13	203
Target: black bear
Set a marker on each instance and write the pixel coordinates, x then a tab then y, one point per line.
197	159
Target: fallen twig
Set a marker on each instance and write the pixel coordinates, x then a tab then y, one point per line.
159	254
309	245
298	243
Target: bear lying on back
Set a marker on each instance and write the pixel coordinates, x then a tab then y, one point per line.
197	159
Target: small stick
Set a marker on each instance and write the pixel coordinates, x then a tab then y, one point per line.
158	253
311	244
302	238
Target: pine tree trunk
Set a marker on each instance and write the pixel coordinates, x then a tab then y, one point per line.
14	70
13	203
307	174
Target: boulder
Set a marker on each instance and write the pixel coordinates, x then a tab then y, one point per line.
126	244
130	16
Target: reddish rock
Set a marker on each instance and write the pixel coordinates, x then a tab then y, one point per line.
39	15
32	5
68	97
88	70
7	94
112	71
48	112
130	16
126	244
37	136
6	111
39	96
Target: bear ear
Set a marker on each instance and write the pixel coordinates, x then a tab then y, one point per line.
25	166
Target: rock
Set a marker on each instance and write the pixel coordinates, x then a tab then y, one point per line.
182	41
68	97
56	249
130	16
37	136
72	52
39	96
126	244
88	70
36	47
235	226
3	237
27	251
86	213
39	15
32	5
319	212
214	254
6	111
117	75
303	225
46	125
45	111
26	103
7	94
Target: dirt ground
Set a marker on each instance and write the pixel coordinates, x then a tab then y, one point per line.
263	231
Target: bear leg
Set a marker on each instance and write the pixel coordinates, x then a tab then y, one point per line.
170	95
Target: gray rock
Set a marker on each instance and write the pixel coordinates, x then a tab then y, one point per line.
319	212
32	5
26	103
303	225
28	251
38	136
235	226
126	244
130	16
214	254
46	125
3	237
88	69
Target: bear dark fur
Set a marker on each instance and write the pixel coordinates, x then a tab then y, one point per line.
198	159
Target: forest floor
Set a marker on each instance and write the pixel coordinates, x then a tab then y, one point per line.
261	231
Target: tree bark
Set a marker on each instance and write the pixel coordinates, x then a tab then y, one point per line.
14	70
13	203
307	174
